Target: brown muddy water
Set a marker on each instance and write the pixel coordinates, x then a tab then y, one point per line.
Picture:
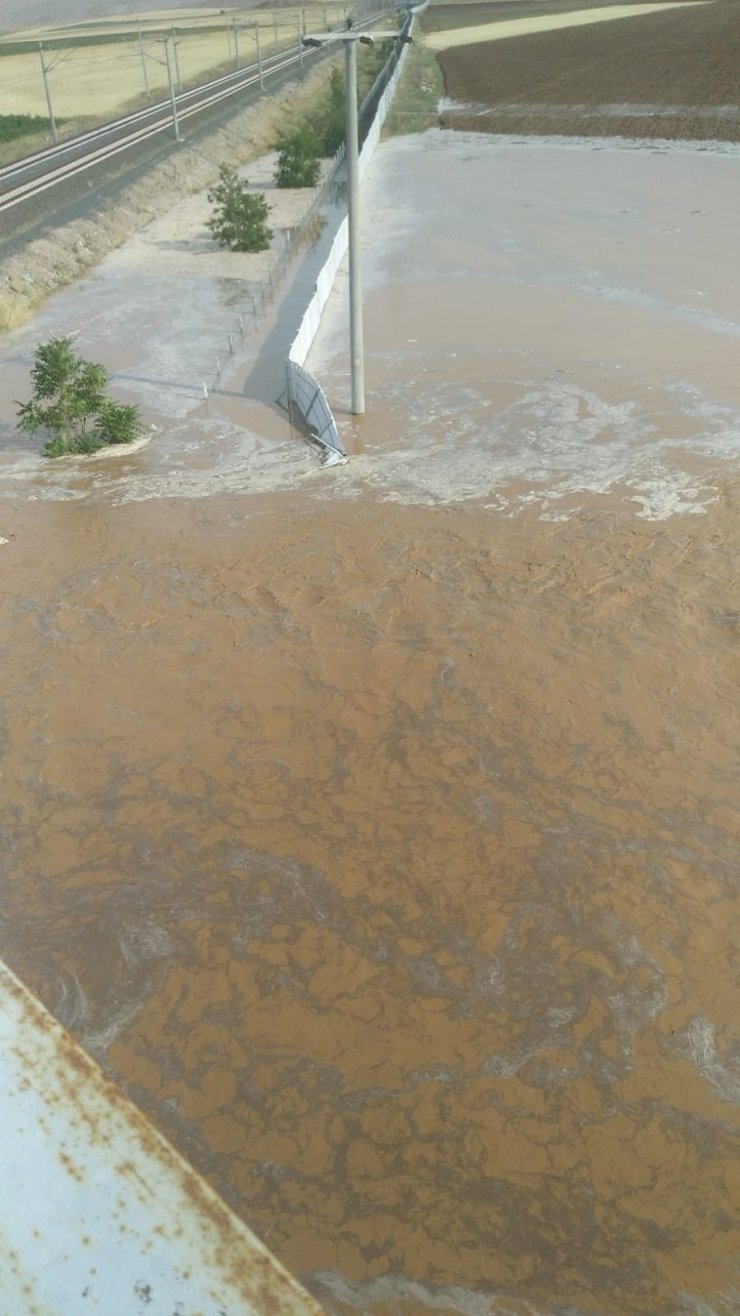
377	827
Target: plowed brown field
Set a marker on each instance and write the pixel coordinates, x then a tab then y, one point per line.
672	74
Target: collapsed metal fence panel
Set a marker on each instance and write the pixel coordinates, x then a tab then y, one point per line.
308	407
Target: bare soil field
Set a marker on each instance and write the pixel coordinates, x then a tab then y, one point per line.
440	17
545	21
664	75
472	13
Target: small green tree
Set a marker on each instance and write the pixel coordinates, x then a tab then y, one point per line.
239	219
70	402
117	422
299	159
333	118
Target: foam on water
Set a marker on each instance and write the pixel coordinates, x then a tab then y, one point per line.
533	340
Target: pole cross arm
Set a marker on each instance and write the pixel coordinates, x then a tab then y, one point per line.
318	39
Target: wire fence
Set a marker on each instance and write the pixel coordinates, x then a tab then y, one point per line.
259	295
306	402
369	106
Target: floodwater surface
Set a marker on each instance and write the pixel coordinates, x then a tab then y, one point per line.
377	829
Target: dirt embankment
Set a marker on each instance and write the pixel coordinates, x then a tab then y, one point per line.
64	253
666	75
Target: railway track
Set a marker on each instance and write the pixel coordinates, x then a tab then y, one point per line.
27	178
35	175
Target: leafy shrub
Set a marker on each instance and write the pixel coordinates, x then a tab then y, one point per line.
117	422
333	120
70	402
330	121
22	125
239	219
299	159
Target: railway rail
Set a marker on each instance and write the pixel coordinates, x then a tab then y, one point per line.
27	178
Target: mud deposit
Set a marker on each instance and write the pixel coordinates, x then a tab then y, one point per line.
664	75
380	833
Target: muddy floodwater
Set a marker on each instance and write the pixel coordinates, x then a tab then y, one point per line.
377	827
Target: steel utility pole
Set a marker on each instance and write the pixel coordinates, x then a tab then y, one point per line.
142	53
356	348
175	44
45	76
300	41
259	55
236	45
173	100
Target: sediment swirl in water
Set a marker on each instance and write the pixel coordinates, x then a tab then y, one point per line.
388	857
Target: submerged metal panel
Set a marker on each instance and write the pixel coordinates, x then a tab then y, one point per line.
98	1213
308	405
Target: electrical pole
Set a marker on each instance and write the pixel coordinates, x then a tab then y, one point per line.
259	55
175	44
350	38
45	75
356	354
173	102
300	40
143	61
236	45
274	24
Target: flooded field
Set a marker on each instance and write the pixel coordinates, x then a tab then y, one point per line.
377	827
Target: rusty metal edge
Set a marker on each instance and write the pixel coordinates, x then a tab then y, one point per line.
100	1213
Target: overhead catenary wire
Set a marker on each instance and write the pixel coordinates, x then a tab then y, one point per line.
138	126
